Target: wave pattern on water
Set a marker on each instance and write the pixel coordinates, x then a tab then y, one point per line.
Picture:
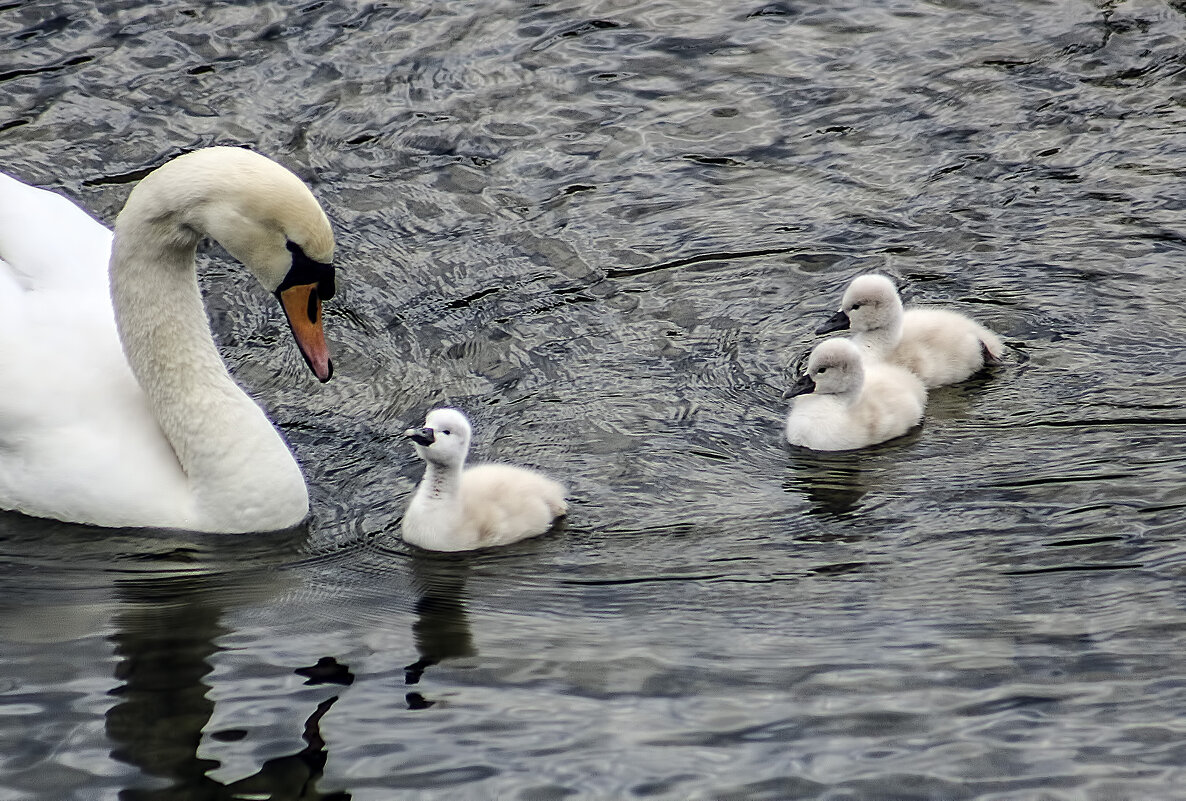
607	230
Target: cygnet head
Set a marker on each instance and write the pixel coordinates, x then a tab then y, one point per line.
835	368
444	439
264	216
870	303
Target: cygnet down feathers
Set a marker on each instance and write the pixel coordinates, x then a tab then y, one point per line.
939	346
844	402
460	509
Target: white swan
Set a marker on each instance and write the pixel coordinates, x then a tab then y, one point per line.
116	408
843	402
456	509
938	345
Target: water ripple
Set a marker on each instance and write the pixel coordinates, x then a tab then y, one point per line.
607	230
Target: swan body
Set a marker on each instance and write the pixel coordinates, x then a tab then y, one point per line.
843	402
460	509
940	346
117	409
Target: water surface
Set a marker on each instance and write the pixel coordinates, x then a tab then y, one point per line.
607	230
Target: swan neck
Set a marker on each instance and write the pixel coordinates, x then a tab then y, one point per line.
881	342
241	474
441	481
159	312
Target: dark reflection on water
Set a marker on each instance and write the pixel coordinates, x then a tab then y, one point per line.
441	629
831	483
164	639
607	230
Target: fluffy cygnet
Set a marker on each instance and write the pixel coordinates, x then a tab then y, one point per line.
459	509
843	402
937	345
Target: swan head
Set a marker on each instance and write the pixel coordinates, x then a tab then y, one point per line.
870	303
834	368
306	283
444	438
265	217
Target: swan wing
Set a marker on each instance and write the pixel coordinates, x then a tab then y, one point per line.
505	503
942	346
77	439
47	243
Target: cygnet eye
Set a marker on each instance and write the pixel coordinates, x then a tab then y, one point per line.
446	431
821	369
855	306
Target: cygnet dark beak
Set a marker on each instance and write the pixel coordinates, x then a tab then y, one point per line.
837	322
421	436
803	386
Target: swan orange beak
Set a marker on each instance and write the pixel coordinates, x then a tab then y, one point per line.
302	307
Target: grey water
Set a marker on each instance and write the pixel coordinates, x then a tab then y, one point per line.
607	230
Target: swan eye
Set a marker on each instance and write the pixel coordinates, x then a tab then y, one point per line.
305	270
821	370
855	306
446	431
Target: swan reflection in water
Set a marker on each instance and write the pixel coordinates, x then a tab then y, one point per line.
833	484
441	629
166	630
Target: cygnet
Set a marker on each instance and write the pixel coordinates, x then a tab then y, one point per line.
939	346
844	402
460	509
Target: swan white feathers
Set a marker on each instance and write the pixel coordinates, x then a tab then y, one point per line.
460	509
940	346
117	409
844	402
